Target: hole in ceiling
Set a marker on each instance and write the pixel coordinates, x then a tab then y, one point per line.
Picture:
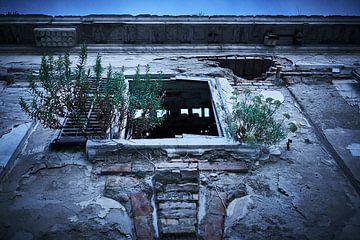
188	110
246	67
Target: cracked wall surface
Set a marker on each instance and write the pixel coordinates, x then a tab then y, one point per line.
296	194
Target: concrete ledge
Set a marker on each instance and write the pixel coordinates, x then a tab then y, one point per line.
98	150
188	49
10	146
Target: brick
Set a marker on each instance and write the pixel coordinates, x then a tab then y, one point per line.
166	176
178	229
143	228
186	187
140	205
176	196
178	213
116	168
236	167
213	227
187	221
169	221
142	216
216	204
176	205
189	174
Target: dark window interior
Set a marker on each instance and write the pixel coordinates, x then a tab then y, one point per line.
188	110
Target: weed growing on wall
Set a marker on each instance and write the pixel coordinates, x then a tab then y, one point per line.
252	120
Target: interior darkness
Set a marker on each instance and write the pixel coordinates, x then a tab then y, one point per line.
188	110
248	68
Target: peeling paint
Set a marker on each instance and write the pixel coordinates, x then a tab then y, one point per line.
106	205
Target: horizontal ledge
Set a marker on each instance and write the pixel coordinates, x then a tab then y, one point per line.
189	49
173	146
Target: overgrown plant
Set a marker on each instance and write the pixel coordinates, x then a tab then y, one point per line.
252	120
113	101
62	93
145	101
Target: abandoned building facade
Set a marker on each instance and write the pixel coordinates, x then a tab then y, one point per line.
187	178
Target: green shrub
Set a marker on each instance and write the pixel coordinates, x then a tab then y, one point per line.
62	93
252	120
144	103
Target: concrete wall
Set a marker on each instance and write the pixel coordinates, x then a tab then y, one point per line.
146	29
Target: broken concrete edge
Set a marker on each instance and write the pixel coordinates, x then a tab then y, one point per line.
98	149
9	160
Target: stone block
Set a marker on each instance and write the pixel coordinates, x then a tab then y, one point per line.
143	228
213	226
120	188
172	165
122	182
142	167
178	229
176	205
140	204
178	213
177	196
116	168
187	221
189	174
216	204
169	221
185	187
166	176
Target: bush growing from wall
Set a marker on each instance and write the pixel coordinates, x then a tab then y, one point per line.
252	120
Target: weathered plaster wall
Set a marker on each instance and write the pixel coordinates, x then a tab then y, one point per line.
146	29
